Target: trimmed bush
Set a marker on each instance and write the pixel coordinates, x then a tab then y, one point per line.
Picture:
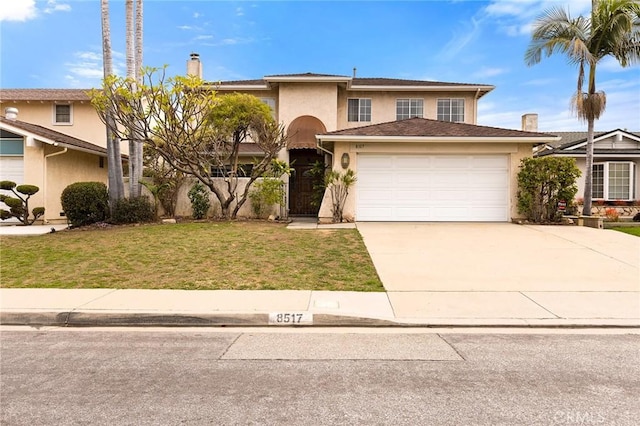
133	210
85	203
19	205
542	183
199	197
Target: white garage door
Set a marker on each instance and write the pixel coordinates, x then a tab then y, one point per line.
432	188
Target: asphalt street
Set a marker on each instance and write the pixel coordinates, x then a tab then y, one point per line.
321	377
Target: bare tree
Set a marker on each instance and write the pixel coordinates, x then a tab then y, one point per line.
195	131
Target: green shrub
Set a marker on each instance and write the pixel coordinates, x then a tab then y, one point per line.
133	210
265	194
85	203
199	197
19	205
542	183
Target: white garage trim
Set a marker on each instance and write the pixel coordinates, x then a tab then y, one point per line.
11	168
432	188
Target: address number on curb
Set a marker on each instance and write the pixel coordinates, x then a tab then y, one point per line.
290	318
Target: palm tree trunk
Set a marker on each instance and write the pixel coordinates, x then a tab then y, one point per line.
588	176
134	172
114	159
138	75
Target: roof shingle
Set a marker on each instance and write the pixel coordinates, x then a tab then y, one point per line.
424	127
44	95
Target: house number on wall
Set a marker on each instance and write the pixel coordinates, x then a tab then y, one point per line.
290	318
359	145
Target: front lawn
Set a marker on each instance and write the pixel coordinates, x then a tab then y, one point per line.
633	230
211	256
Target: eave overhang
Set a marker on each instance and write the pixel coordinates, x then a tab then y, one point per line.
435	139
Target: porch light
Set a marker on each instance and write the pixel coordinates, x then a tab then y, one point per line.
344	160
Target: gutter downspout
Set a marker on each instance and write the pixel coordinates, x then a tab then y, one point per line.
44	189
475	107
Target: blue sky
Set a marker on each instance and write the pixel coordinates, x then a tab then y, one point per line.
57	44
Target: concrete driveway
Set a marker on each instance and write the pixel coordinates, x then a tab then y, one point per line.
471	269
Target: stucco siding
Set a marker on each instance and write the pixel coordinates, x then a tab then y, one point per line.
314	99
514	151
383	105
86	124
65	169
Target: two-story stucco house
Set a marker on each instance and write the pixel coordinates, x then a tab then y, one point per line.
50	138
414	145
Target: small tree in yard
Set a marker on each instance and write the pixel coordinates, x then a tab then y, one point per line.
270	190
193	130
542	183
19	205
339	184
199	200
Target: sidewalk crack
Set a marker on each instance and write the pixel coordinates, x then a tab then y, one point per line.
557	317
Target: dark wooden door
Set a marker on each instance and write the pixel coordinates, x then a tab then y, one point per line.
301	182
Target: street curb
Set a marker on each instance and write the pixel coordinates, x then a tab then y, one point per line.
92	319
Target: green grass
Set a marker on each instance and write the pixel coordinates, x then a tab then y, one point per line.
633	230
214	255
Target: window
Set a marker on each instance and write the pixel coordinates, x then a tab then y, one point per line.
62	114
272	104
613	181
409	108
359	110
451	110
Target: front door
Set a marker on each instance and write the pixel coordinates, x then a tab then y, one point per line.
301	181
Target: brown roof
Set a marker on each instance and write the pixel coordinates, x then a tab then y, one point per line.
569	138
61	138
44	95
401	82
358	81
423	127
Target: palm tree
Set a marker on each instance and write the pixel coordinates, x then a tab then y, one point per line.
613	29
134	64
114	159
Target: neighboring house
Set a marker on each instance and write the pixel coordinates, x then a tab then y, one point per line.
51	138
35	155
616	158
67	111
415	145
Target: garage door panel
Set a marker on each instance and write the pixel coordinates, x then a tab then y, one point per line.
432	188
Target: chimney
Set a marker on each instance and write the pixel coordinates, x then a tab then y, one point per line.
194	66
530	123
11	113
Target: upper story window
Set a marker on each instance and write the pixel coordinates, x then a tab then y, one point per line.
451	110
359	110
409	108
62	114
272	104
613	181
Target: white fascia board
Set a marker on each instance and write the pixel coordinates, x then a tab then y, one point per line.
27	134
456	139
310	79
240	87
605	136
421	88
598	155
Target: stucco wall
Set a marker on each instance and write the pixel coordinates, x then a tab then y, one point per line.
515	152
65	169
315	99
383	105
86	124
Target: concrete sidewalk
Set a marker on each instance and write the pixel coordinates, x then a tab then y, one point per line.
435	275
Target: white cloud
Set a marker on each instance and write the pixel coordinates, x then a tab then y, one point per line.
18	10
239	11
611	64
204	37
53	6
24	10
197	15
460	40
